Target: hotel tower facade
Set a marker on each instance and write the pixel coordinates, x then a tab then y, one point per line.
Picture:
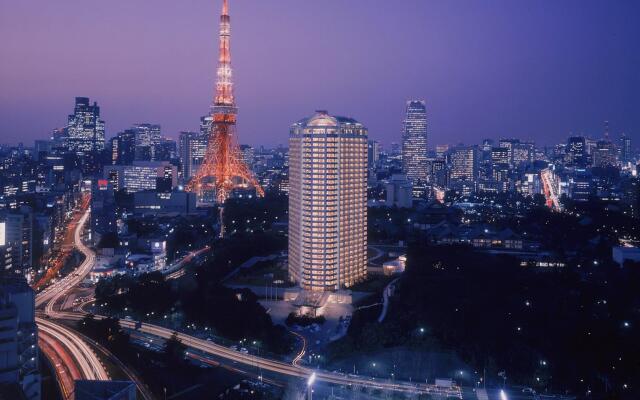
327	202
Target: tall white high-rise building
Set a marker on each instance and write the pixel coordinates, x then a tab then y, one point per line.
327	202
414	142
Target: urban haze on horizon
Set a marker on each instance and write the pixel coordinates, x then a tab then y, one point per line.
333	200
534	71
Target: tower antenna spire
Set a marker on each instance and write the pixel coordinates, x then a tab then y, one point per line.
223	169
225	7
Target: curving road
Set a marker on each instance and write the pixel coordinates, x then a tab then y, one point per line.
62	362
69	353
53	293
275	366
91	366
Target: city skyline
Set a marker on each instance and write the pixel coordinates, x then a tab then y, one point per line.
482	243
540	72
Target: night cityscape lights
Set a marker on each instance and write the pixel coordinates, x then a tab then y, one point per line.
461	224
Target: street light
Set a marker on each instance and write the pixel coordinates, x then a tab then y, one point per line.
310	381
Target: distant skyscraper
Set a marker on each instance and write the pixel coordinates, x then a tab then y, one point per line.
85	129
205	125
166	150
373	154
510	145
103	210
464	162
327	202
248	155
193	147
414	141
148	136
604	154
577	151
625	149
441	150
500	155
124	148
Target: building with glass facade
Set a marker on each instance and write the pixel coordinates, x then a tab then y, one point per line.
327	202
193	147
414	142
85	130
141	176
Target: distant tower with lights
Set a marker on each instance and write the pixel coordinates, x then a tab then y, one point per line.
327	202
85	129
222	169
414	142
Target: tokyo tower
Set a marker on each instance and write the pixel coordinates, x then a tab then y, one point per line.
223	169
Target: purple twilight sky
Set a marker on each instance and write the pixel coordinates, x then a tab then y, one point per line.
528	69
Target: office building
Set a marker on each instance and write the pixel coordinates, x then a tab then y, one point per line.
438	169
85	130
414	142
500	155
373	154
193	147
103	210
327	202
399	192
464	163
141	175
18	227
6	251
442	150
206	123
166	150
151	202
580	185
576	151
626	153
248	155
509	144
147	138
124	148
604	155
19	360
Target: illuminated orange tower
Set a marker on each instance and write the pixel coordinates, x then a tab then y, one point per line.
223	169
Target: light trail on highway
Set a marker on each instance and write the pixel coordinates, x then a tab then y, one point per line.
78	358
89	365
66	246
278	367
65	369
53	293
549	188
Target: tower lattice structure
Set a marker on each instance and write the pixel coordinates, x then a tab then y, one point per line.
223	169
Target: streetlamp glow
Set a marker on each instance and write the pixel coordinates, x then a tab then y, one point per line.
503	395
311	379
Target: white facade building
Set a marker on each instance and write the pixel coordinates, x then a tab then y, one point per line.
327	202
